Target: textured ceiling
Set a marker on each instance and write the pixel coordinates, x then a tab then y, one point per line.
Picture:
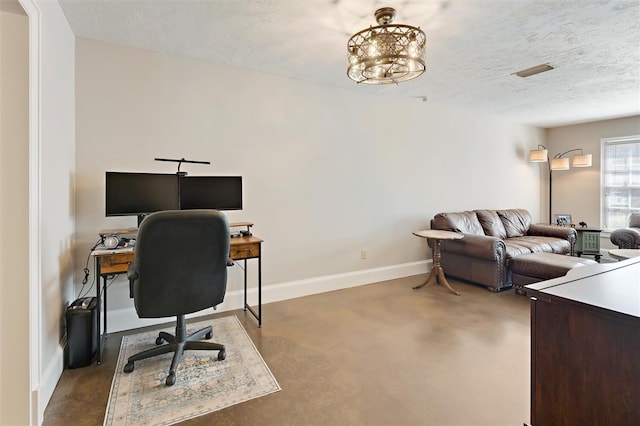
473	47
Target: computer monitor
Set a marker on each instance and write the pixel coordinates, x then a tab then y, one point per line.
137	194
211	192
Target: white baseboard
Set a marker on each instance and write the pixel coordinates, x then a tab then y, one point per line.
126	319
51	374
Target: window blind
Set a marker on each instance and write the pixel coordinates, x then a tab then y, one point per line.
620	187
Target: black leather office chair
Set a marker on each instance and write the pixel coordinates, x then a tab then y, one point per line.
179	267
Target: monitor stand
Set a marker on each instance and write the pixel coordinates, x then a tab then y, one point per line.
141	218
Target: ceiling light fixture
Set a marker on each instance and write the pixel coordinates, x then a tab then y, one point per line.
388	53
533	70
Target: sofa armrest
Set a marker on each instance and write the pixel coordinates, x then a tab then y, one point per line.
626	238
565	233
478	246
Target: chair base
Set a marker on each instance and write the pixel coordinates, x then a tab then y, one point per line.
177	344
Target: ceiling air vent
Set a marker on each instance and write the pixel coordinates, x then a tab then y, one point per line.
533	70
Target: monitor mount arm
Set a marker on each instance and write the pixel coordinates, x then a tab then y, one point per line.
180	161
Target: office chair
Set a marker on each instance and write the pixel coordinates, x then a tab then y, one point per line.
179	267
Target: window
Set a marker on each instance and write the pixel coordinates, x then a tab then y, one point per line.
620	187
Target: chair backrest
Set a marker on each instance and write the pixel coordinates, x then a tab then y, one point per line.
634	220
181	262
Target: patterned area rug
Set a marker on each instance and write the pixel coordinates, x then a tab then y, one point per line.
203	384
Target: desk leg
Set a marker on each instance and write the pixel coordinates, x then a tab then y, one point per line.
246	305
257	315
104	295
101	334
260	291
98	327
98	312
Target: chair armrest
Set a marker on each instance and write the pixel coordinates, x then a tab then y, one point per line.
626	238
566	233
478	246
132	275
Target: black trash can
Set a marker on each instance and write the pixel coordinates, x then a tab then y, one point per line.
82	333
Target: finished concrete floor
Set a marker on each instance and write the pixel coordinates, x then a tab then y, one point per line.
380	354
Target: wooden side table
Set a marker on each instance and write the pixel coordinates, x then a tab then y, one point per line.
436	271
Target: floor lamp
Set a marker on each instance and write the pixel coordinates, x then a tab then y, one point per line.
558	162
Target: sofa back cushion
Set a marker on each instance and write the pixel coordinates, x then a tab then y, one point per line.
516	222
634	220
491	223
464	222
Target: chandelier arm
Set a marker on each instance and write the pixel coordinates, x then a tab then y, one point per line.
390	67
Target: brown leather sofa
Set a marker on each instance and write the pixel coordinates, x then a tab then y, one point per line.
628	238
491	239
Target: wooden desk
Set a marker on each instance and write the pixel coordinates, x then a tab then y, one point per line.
585	340
113	262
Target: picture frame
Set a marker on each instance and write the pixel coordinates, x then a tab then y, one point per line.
562	220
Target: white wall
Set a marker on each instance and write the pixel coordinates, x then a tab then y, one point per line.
37	221
57	178
326	172
577	191
14	218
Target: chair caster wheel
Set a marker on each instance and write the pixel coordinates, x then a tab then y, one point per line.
222	355
128	368
209	335
159	341
171	380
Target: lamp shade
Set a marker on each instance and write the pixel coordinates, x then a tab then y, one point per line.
560	163
538	155
582	160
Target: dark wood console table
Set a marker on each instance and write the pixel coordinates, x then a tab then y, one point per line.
585	346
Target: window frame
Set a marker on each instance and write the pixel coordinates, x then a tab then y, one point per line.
604	143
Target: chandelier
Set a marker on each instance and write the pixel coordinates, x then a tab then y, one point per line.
388	53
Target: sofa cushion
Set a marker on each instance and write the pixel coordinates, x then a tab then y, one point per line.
516	222
464	222
514	248
491	223
519	246
554	244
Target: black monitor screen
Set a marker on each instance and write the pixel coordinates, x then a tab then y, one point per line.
129	194
211	192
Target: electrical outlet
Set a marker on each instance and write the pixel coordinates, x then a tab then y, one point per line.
363	254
